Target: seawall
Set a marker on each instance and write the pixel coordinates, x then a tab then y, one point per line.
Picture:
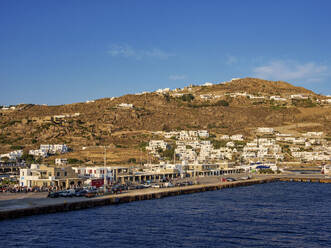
305	180
125	198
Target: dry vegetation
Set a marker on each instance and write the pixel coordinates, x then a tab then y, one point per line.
102	123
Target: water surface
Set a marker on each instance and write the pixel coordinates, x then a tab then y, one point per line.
281	214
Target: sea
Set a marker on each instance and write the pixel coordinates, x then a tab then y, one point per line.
279	214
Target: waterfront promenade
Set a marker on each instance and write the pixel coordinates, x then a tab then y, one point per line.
38	203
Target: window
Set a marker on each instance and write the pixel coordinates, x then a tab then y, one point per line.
58	174
65	173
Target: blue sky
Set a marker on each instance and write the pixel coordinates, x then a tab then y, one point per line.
66	51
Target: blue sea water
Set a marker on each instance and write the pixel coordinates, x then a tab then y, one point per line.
268	215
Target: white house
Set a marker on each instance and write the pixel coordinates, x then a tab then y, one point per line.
12	155
54	148
154	144
313	134
95	172
28	175
206	96
237	137
61	161
125	105
265	130
230	144
162	91
277	98
38	153
203	133
299	97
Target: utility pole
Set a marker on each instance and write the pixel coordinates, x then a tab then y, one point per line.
194	171
141	157
105	171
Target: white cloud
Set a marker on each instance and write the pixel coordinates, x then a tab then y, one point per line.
124	51
177	77
230	60
127	51
157	53
292	70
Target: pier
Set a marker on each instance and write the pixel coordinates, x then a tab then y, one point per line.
306	180
46	205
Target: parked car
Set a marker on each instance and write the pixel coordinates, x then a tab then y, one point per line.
81	193
53	194
168	184
132	187
68	193
140	186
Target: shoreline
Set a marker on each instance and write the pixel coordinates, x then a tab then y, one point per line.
38	206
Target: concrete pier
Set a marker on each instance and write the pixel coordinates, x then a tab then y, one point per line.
79	203
305	180
46	206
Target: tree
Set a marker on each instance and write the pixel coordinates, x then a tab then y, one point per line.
169	153
5	159
143	145
132	160
167	97
28	158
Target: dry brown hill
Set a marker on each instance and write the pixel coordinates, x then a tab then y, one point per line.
255	86
102	122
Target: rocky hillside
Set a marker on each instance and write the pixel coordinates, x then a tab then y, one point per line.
216	108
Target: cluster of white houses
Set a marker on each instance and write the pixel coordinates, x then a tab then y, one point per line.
184	135
64	116
259	97
125	105
14	155
49	149
268	145
195	156
4	107
43	151
178	92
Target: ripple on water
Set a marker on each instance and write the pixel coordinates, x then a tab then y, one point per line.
270	215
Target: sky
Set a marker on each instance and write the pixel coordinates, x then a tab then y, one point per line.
66	51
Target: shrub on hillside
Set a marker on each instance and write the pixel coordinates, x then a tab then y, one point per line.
74	161
222	103
187	97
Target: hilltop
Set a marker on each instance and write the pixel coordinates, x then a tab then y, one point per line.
232	107
254	85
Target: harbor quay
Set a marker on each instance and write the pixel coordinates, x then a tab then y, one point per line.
40	204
